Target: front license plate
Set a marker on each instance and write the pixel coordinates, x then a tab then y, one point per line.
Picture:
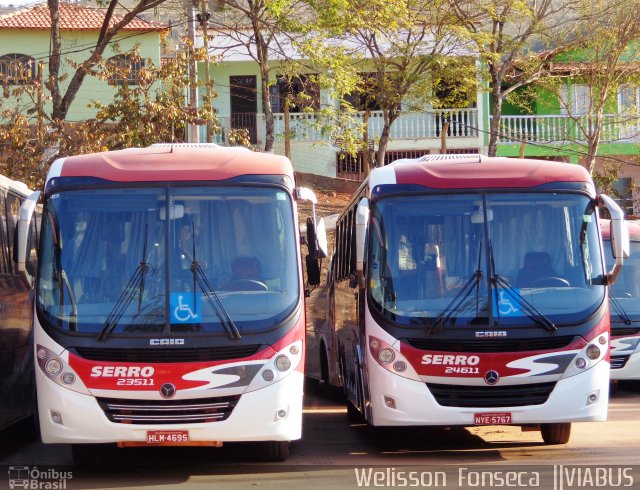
492	418
167	436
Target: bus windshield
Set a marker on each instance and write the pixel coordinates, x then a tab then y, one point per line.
136	261
626	290
514	259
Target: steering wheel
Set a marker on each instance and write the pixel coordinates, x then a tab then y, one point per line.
247	285
550	282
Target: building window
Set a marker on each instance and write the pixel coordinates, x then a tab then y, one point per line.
575	100
628	98
303	92
17	69
363	98
125	69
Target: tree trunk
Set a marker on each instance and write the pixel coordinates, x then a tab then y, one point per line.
389	118
54	61
107	32
263	62
287	129
494	127
366	156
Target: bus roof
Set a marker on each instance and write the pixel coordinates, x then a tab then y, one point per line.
634	229
172	162
476	171
14	185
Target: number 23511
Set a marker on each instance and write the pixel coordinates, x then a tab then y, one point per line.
134	382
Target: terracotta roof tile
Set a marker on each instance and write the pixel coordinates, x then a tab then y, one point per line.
72	17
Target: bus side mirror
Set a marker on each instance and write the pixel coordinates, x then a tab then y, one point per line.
619	237
362	220
25	241
316	237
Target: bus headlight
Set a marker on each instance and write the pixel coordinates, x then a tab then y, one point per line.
278	366
390	358
386	355
588	356
53	366
57	369
282	363
400	366
593	352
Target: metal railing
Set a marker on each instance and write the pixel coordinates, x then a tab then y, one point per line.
463	123
618	128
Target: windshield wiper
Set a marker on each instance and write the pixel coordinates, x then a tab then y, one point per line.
527	308
619	309
500	282
463	294
456	302
128	294
200	278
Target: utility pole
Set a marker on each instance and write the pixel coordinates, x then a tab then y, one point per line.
203	18
192	130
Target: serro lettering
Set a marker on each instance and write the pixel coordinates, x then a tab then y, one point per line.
450	360
121	371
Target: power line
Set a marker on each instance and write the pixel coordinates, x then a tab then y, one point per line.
87	46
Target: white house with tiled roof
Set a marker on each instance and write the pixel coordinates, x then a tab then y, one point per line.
25	40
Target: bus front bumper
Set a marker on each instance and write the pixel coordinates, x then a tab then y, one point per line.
570	401
273	413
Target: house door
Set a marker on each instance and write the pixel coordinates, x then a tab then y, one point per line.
244	105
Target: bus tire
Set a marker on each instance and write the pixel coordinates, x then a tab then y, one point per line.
555	433
273	451
353	414
324	365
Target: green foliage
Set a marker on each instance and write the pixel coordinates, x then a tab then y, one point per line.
154	109
151	111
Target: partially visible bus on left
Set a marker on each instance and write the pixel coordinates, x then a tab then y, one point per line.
16	303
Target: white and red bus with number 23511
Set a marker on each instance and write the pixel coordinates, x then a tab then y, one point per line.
169	302
480	295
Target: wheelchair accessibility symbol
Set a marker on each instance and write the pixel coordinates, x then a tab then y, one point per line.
183	308
506	305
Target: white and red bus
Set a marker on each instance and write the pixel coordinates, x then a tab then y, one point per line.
624	297
471	290
16	305
169	299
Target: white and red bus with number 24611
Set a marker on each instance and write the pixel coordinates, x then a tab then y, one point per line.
471	290
169	303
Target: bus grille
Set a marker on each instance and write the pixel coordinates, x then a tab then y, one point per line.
491	396
492	344
624	331
618	362
194	411
168	355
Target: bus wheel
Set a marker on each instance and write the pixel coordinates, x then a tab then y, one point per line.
34	426
555	433
324	365
275	450
353	414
